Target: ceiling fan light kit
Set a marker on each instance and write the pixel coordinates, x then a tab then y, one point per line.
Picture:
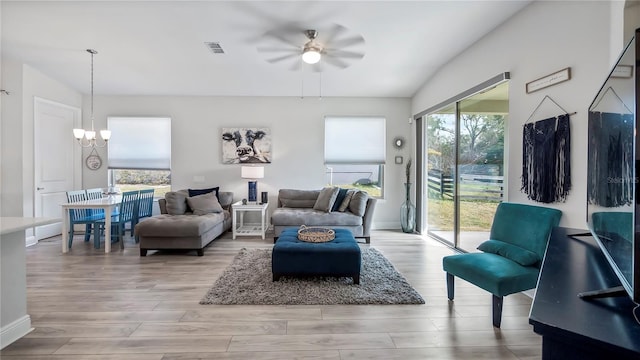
311	53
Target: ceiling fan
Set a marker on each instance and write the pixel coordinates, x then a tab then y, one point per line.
295	45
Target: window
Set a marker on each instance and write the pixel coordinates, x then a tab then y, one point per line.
140	153
355	152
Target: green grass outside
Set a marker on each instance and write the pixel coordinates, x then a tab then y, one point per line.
474	215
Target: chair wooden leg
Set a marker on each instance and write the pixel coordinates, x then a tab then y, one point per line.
121	234
450	288
497	310
70	235
70	238
87	232
97	234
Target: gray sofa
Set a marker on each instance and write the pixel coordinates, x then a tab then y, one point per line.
296	207
178	228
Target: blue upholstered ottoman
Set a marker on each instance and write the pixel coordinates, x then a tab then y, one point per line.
338	257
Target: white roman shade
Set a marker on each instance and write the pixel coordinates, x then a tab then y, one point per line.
354	140
140	143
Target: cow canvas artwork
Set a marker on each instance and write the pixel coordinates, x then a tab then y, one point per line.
246	146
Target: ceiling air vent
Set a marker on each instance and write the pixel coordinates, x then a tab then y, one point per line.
215	47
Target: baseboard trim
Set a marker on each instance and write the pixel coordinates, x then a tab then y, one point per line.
390	225
30	240
15	330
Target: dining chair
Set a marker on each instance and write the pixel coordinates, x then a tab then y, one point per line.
94	194
82	216
126	213
145	208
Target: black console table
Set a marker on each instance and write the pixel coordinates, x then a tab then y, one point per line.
573	328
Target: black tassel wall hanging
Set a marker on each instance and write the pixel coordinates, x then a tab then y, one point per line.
546	158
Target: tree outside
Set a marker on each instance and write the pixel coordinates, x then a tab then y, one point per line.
481	147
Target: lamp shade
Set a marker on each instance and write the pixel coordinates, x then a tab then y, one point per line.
252	172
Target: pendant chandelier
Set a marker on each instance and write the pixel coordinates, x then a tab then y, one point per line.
87	138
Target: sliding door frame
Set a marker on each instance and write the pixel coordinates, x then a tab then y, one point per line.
421	148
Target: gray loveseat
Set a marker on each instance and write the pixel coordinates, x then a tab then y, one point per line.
296	207
177	227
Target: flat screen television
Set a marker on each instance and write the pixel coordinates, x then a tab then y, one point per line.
613	215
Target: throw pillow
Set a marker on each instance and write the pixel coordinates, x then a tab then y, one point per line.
347	199
176	203
204	204
522	256
358	203
196	192
326	199
339	199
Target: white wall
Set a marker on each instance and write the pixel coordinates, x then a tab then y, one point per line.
24	83
297	127
11	147
541	39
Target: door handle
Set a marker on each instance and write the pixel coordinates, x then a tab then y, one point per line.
39	188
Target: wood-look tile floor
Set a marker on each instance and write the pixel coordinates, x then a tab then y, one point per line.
94	306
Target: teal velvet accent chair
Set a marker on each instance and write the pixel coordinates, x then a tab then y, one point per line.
510	260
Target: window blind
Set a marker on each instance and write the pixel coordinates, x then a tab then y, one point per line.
140	143
354	140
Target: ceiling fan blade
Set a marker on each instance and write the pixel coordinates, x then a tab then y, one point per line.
337	62
351	41
318	67
279	49
282	58
334	32
295	66
281	38
291	34
343	54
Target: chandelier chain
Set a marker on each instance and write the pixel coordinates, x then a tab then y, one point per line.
93	52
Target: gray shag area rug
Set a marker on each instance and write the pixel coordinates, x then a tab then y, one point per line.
248	281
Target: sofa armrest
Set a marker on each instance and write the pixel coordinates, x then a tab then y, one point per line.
367	219
162	204
226	199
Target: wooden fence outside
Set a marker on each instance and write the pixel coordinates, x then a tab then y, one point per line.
472	186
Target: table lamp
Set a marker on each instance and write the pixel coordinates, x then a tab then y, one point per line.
252	172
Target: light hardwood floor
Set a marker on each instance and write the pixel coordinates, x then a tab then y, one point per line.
90	305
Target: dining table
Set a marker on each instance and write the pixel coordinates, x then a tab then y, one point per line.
107	204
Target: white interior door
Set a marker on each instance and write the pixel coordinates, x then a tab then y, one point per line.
54	160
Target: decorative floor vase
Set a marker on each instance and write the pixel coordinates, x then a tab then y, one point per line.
407	212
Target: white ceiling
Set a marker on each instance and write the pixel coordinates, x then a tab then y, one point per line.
157	47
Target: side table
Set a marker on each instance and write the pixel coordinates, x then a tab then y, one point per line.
242	229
